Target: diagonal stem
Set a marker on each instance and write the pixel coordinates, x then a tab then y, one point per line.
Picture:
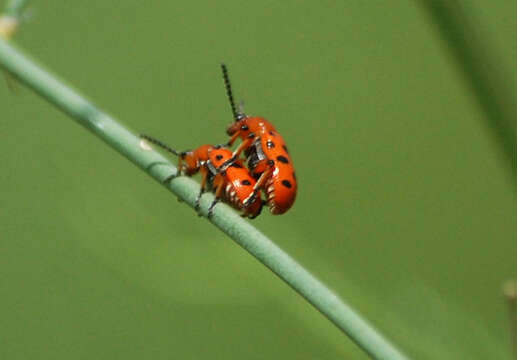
256	243
9	23
483	73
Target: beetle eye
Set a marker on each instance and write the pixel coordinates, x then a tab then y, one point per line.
244	127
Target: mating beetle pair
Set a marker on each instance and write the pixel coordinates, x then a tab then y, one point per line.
270	168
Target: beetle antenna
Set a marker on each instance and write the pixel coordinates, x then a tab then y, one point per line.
236	115
160	144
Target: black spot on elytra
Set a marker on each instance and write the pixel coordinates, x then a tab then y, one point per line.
270	144
287	183
272	133
219	157
236	165
282	159
285	148
245	182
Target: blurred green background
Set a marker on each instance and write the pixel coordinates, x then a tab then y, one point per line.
406	207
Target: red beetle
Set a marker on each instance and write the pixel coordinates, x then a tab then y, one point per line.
233	183
268	158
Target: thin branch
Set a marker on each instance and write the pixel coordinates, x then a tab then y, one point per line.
9	24
482	70
137	151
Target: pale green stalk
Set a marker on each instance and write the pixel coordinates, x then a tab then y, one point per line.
158	167
483	71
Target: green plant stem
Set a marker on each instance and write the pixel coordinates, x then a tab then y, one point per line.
9	23
483	72
129	145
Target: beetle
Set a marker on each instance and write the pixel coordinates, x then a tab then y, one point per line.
268	157
233	184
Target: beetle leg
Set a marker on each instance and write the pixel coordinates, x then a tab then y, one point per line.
246	213
260	182
178	171
233	138
218	192
180	165
243	146
201	191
